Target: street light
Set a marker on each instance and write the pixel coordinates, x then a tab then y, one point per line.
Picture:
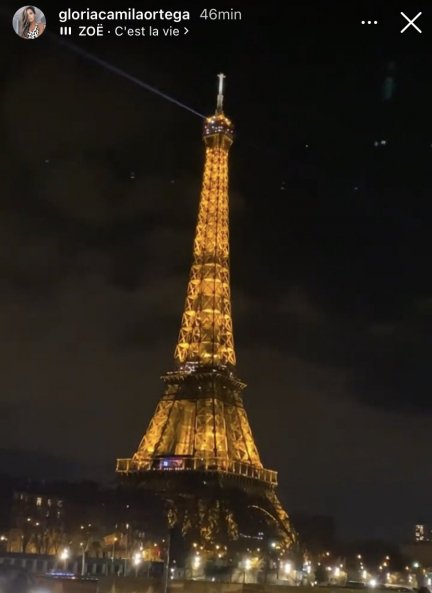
83	554
113	553
64	555
247	566
137	559
127	549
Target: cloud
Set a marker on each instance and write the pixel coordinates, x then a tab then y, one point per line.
392	370
333	453
298	304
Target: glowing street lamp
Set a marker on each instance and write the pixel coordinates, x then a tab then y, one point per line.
137	559
83	553
64	556
247	566
113	547
115	539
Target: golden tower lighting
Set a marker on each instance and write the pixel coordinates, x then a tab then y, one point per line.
200	427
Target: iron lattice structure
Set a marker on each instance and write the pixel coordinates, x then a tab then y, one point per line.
206	334
199	439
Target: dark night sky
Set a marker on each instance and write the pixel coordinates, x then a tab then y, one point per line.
332	295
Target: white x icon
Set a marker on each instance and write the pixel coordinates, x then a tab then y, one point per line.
410	22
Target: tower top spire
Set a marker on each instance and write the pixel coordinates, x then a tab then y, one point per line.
220	97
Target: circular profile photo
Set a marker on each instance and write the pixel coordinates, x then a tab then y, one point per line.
29	22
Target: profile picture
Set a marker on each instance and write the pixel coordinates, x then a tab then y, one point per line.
29	22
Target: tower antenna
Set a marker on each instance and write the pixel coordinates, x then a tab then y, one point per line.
220	96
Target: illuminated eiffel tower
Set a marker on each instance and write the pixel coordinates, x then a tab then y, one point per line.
198	451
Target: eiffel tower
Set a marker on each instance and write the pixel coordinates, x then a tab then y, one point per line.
198	453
